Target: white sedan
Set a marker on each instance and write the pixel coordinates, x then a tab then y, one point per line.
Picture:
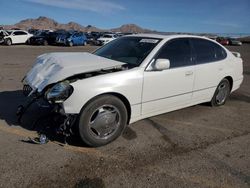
132	78
17	37
106	38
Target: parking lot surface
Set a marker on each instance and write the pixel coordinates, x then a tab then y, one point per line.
199	146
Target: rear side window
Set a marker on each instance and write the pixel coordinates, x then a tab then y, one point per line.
207	51
20	33
178	51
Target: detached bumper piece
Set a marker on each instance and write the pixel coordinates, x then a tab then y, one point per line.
42	139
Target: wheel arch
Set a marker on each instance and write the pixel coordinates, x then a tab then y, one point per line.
230	79
9	38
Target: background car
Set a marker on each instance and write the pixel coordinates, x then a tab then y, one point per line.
72	39
41	38
106	38
94	38
222	41
3	33
17	37
233	41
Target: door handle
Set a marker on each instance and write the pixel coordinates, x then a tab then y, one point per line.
189	73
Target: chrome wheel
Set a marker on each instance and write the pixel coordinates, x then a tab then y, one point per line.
104	121
221	96
222	93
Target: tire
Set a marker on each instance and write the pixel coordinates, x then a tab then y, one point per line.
45	43
102	120
27	42
8	42
221	93
71	44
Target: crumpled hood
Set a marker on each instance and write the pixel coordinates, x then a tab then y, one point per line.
53	67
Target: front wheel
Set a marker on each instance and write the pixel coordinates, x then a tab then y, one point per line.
102	120
221	94
8	42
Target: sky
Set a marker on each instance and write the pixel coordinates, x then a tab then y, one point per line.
209	16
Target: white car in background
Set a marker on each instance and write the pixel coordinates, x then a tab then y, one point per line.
133	78
16	37
106	38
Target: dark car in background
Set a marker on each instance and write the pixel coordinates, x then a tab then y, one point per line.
72	39
93	36
41	38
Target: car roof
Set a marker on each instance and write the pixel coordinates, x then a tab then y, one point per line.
158	36
15	30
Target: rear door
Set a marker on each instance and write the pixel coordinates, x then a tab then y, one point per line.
209	69
172	88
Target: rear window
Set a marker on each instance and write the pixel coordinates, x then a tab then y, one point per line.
207	51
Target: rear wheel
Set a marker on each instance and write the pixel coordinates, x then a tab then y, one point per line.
102	120
221	94
8	42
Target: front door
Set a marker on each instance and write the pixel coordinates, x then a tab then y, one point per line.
172	88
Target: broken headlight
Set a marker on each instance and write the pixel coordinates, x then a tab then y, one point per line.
59	92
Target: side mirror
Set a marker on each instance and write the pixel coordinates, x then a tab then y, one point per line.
161	64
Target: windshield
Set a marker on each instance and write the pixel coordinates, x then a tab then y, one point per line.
69	35
130	50
40	33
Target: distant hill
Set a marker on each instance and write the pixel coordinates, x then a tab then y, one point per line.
48	23
131	28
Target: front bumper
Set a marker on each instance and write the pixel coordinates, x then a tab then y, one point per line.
63	123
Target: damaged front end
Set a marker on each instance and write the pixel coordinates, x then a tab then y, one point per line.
51	99
50	80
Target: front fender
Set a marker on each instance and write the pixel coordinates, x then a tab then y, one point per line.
127	83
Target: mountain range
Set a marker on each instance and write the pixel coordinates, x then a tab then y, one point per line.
48	23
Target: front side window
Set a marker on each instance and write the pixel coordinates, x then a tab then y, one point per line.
20	33
177	51
207	51
130	50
